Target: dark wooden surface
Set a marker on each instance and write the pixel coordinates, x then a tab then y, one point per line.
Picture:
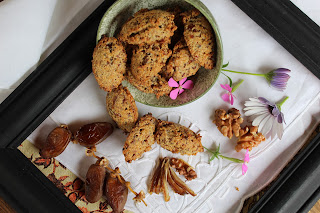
5	208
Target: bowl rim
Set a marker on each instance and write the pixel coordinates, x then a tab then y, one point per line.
208	15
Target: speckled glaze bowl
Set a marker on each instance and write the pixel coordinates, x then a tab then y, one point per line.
122	10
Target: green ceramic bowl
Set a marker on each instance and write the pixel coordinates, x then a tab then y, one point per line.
122	10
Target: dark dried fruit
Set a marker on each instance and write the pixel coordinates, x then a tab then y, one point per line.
56	142
92	134
94	181
115	192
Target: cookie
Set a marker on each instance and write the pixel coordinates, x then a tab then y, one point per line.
177	138
122	108
181	64
148	59
140	138
109	63
157	85
199	37
148	26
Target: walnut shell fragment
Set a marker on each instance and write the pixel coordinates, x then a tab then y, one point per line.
228	123
249	137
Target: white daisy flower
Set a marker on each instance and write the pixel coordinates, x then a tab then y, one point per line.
266	115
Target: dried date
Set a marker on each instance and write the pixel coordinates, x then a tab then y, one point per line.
94	181
57	141
115	192
92	134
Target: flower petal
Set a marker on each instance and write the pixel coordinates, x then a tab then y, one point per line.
282	70
274	128
225	97
226	87
244	168
275	111
174	94
254	103
280	130
247	157
264	125
172	83
187	85
181	82
255	111
254	99
231	99
181	91
258	119
267	125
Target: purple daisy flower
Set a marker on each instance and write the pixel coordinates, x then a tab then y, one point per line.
266	115
278	78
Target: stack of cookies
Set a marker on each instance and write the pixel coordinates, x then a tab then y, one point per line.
142	53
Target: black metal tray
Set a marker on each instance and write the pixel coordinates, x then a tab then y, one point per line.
26	189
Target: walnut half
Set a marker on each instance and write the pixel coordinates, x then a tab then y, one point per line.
228	123
248	138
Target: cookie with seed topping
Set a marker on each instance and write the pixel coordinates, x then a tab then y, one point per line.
177	138
148	59
140	138
122	108
109	63
181	64
199	37
148	26
157	84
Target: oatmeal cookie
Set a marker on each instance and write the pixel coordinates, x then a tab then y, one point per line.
148	26
109	63
199	37
181	64
177	138
140	138
157	85
122	108
147	60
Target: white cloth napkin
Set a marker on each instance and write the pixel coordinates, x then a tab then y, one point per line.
30	33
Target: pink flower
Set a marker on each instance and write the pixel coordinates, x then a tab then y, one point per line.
183	84
228	97
245	160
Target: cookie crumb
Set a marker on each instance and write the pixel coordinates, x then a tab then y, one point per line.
237	188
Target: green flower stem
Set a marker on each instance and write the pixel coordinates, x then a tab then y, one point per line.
282	102
209	150
236	86
246	73
231	159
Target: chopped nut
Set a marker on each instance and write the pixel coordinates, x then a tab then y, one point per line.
228	123
183	168
248	138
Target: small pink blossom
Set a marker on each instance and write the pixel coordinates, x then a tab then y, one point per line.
245	160
227	97
181	86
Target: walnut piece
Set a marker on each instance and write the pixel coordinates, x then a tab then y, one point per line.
248	138
183	168
228	123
